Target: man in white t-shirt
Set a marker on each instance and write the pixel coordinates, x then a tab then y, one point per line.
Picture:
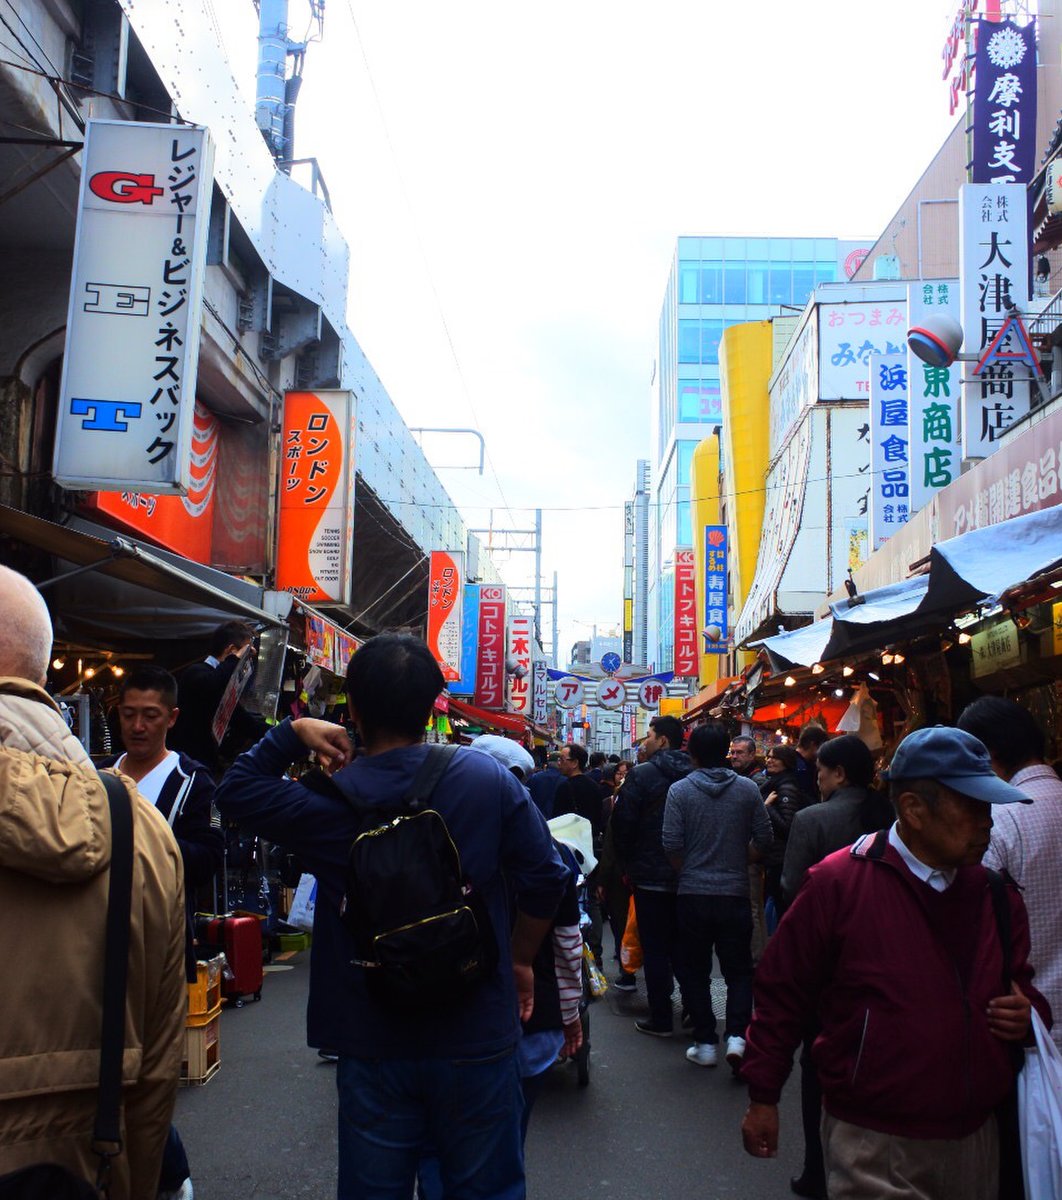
179	787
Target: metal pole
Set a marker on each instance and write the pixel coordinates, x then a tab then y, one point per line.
556	635
538	575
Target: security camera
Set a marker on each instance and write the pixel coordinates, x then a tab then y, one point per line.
937	340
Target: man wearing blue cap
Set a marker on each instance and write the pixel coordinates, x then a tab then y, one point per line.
894	947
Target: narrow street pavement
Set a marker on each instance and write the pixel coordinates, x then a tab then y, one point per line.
649	1127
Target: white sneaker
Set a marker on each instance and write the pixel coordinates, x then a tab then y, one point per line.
735	1052
184	1192
704	1054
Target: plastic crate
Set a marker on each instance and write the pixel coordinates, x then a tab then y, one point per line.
202	1053
205	994
292	941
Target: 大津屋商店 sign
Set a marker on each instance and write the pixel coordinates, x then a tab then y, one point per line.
445	582
127	395
315	519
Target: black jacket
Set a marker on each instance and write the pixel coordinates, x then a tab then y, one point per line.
582	796
200	688
638	818
791	798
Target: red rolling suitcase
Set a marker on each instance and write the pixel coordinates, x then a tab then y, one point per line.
241	940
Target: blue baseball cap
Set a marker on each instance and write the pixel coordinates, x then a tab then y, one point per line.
954	758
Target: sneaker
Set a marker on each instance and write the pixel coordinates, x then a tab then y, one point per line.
328	1056
625	982
653	1029
735	1052
184	1192
704	1054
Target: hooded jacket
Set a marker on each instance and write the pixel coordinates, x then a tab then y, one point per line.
900	977
710	818
54	872
638	818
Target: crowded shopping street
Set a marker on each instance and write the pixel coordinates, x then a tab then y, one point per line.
531	600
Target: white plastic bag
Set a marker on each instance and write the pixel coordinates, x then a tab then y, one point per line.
302	907
1040	1116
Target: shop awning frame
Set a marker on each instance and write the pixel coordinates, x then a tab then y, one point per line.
974	570
127	560
508	722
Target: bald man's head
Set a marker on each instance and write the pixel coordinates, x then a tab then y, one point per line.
25	628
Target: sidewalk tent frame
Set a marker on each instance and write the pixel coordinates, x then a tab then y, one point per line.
132	562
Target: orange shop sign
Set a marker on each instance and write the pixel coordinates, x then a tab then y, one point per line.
445	583
316	510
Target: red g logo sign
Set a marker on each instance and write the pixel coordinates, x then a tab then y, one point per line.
123	187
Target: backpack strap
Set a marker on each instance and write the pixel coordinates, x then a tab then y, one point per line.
107	1137
997	885
871	845
431	771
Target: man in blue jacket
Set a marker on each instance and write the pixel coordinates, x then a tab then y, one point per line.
448	1080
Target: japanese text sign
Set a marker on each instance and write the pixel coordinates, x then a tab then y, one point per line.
490	664
934	398
518	690
993	235
539	691
611	694
569	691
466	685
650	693
315	520
796	383
686	660
124	421
445	580
889	447
848	335
716	632
1004	108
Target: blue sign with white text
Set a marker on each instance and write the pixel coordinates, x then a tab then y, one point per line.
466	685
714	633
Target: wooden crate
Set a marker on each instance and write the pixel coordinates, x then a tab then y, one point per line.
202	1053
198	1020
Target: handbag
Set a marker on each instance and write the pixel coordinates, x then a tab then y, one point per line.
1040	1116
50	1181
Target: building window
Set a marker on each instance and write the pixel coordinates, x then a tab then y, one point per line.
689	342
684	528
735	290
781	284
803	282
685	460
699	401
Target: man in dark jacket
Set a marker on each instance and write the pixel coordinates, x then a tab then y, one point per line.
637	822
402	1079
200	690
180	788
543	786
894	944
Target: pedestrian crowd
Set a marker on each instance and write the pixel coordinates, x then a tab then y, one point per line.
897	927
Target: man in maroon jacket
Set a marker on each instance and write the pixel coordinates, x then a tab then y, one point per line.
893	945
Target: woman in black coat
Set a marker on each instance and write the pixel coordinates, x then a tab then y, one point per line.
784	798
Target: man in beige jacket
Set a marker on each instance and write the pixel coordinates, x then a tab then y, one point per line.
54	869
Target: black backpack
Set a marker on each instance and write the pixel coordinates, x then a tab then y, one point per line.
425	939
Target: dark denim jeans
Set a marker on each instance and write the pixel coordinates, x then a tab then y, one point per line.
657	914
393	1111
722	924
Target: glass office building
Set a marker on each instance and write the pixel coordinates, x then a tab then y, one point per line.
714	282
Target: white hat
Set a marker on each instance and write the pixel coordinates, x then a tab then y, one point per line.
509	753
577	834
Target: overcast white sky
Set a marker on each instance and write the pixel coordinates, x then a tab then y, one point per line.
518	176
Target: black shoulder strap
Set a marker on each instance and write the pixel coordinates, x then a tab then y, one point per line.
997	885
107	1140
431	771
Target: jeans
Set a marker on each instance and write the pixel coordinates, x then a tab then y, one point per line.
657	915
394	1111
722	924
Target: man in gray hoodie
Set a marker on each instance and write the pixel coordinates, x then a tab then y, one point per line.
710	819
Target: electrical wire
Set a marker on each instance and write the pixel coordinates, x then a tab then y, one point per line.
424	255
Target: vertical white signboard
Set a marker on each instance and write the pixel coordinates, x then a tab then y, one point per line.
994	239
132	336
935	426
890	505
539	686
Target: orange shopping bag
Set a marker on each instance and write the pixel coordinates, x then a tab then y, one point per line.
631	948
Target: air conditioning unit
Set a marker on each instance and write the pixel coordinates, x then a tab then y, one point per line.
887	266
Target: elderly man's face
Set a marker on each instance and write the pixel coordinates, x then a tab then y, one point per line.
952	833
